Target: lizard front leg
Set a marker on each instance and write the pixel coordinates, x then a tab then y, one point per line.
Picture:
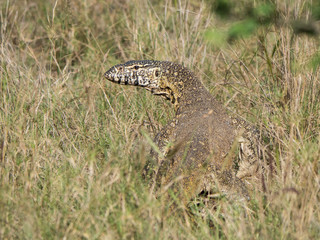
162	140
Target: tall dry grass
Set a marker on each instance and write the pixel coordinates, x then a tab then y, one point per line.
72	146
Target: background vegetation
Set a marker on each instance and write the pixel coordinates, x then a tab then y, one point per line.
71	144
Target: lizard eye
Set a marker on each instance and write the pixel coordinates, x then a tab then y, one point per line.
157	73
136	67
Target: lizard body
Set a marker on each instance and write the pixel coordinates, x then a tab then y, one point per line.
202	133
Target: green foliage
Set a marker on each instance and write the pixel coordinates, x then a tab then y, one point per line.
222	7
315	61
216	37
264	13
255	18
242	29
251	20
315	8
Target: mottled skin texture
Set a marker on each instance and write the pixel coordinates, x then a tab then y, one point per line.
200	144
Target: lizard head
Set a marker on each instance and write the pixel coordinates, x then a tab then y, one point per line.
144	73
164	78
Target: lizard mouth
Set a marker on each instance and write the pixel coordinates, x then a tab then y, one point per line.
164	92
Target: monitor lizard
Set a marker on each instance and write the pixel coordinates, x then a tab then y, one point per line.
200	143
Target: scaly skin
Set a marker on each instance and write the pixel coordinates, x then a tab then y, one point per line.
202	134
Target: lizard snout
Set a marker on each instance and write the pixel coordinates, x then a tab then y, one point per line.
110	74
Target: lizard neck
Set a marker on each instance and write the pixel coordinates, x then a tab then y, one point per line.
195	99
183	87
188	94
